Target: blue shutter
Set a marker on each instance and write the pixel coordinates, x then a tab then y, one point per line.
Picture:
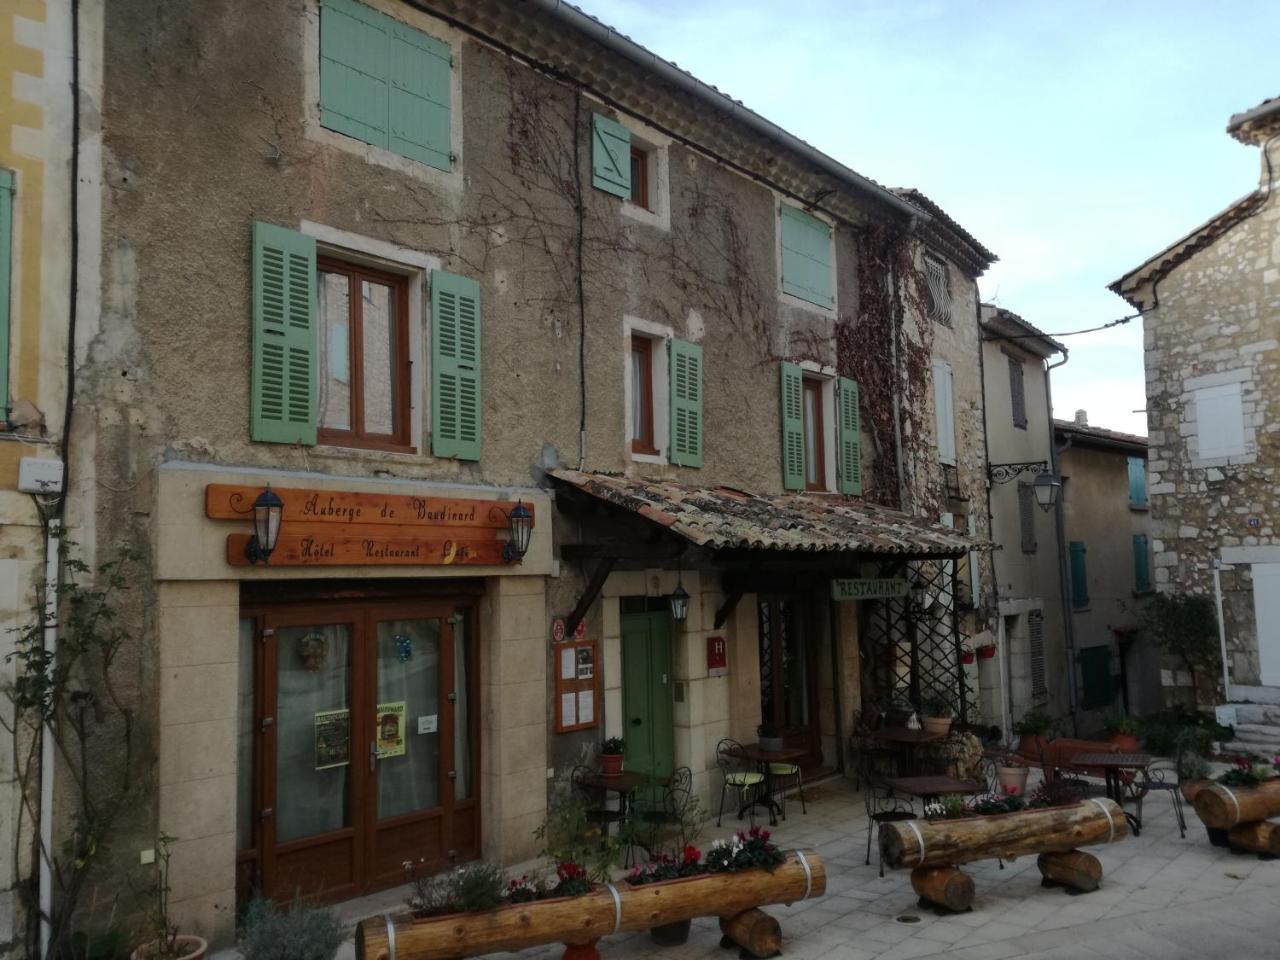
385	83
1079	575
610	156
806	257
1137	482
6	254
1141	564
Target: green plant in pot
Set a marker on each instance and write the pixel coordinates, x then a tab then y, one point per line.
611	756
1033	732
298	932
936	712
770	735
1121	730
163	941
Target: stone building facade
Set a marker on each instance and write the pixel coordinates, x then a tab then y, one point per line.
543	267
1212	333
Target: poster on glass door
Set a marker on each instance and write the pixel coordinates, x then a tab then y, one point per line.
390	726
333	738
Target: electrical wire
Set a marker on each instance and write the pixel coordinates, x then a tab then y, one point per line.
1069	333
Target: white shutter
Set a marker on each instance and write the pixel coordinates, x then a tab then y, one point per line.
975	581
944	411
1220	422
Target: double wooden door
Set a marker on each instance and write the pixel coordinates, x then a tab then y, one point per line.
788	680
365	746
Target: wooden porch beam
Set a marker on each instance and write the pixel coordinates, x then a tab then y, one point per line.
622	551
594	586
727	608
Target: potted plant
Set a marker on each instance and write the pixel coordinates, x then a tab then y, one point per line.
1121	730
987	651
165	942
300	932
1032	731
770	735
967	655
937	713
1012	775
1193	775
611	756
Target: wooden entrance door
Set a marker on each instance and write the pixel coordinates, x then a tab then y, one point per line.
788	698
367	745
646	692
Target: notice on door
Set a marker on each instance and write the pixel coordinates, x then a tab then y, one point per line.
390	727
333	738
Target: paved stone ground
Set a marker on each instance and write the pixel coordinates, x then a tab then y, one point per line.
1162	897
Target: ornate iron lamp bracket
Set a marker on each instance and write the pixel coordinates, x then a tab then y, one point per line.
1004	472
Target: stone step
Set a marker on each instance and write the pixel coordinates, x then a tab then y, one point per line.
1257	713
1252	747
1269	695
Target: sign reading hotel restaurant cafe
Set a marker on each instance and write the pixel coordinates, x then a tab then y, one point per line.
338	528
869	589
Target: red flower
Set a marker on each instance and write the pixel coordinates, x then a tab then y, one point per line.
691	855
570	871
1010	790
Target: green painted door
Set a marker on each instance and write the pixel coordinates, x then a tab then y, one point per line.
646	693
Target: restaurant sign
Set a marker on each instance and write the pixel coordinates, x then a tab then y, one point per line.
338	528
869	589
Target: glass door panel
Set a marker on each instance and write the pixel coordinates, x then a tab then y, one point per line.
408	724
461	713
313	730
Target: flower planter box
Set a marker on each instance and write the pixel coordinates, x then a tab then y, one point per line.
934	850
579	922
1221	807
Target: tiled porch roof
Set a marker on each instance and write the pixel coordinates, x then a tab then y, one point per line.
722	518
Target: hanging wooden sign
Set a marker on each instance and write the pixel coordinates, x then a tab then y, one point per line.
231	502
868	589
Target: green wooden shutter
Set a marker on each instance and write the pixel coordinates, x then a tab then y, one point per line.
283	401
792	394
6	255
686	403
1141	564
850	461
383	82
1079	575
806	257
610	156
455	366
1137	482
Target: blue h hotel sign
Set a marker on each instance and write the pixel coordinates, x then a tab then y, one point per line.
874	589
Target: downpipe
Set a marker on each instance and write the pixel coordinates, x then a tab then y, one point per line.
52	565
1064	586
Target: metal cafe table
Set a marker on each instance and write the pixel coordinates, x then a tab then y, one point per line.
906	740
1113	766
764	760
929	787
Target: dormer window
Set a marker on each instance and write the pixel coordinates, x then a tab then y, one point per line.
937	290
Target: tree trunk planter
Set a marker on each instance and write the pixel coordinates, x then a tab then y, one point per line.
1220	807
191	947
754	931
935	849
579	922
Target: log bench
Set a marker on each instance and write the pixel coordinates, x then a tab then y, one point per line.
1242	814
579	922
935	850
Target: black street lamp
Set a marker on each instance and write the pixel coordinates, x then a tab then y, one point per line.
679	599
267	512
1046	489
520	523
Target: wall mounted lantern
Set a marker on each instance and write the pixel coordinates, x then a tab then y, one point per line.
267	511
679	600
520	523
1046	488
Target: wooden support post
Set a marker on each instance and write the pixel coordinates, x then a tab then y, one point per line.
754	931
594	586
1071	868
1262	836
727	608
946	887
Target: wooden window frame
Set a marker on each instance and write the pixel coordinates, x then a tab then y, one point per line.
398	440
644	441
640	177
815	386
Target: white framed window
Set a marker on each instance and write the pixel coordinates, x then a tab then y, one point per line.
647	391
937	289
944	411
806	258
1220	427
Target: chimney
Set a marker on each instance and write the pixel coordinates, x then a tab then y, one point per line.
1082	418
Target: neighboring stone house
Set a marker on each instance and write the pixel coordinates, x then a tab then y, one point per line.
1211	306
1029	666
1108	533
35	316
410	266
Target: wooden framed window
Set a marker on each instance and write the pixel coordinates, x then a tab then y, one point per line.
641	415
640	177
815	441
363	361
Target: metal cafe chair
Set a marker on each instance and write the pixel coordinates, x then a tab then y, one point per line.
881	803
781	774
677	794
738	773
1162	775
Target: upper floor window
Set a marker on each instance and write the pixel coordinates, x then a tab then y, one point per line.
944	411
1079	575
807	257
663	395
815	431
821	439
937	290
640	177
363	356
1027	517
642	390
1220	430
1137	482
385	83
1017	393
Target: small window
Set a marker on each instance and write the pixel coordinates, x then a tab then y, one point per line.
1079	576
363	361
807	259
937	290
641	415
640	177
1220	422
815	435
1017	393
944	411
1027	516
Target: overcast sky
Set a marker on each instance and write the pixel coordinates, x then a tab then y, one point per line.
1073	139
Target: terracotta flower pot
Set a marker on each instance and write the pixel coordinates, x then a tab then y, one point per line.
1127	742
987	652
610	764
1031	745
937	724
967	657
189	948
1013	777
